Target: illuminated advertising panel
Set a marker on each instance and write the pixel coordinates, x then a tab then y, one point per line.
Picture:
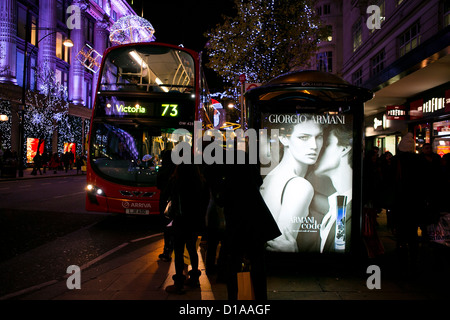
308	180
70	146
32	146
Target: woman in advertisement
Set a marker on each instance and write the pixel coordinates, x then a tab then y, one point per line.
285	190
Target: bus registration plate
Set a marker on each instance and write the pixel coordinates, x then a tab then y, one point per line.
137	211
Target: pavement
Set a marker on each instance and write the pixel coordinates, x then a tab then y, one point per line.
133	272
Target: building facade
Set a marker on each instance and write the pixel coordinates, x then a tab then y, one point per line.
400	50
329	55
39	28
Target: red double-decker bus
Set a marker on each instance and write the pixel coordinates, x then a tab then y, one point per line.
148	97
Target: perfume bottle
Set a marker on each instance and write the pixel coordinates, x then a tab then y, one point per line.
339	241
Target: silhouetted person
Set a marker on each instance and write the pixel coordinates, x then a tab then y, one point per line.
249	225
431	167
66	160
189	192
37	164
387	184
407	206
54	162
445	167
372	181
45	159
162	181
215	218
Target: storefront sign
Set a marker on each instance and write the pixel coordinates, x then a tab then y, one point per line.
395	112
379	124
420	107
434	104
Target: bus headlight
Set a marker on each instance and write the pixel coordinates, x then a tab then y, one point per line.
94	189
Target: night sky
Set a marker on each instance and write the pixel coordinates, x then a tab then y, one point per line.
185	22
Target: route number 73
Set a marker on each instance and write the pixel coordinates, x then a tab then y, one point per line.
170	110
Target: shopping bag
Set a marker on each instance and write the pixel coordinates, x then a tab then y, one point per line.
245	286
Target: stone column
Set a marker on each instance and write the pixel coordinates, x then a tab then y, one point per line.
47	38
76	72
8	31
101	34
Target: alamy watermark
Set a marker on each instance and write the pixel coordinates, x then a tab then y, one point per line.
74	19
74	280
374	280
374	20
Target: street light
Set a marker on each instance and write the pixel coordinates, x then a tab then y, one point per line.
66	43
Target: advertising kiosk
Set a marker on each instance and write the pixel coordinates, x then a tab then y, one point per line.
310	126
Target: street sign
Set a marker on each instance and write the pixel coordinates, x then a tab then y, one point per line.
242	78
249	86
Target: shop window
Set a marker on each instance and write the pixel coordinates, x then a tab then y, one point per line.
422	134
441	135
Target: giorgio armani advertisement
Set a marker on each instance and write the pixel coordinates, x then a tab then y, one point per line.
307	171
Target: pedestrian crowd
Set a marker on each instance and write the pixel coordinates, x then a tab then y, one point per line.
207	202
42	163
58	162
412	187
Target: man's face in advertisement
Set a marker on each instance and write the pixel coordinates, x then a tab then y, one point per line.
330	157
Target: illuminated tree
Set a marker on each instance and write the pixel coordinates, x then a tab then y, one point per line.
266	38
5	126
47	108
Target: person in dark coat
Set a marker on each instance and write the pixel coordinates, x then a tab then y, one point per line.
190	198
433	182
66	160
249	225
37	164
162	182
406	206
